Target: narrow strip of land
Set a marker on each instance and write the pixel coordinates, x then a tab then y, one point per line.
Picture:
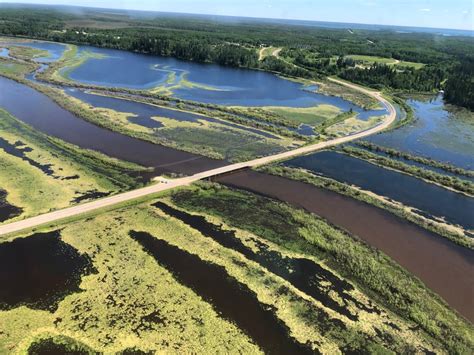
55	216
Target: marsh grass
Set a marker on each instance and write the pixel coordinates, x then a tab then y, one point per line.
52	173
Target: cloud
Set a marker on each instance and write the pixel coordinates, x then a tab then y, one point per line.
425	10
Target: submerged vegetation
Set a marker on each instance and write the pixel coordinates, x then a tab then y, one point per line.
301	232
207	268
405	61
452	182
241	239
393	153
41	173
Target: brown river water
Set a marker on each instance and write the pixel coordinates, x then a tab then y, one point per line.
446	268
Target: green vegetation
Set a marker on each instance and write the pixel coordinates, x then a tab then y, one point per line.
460	85
369	60
453	233
12	68
308	115
268	51
380	76
211	139
131	299
352	125
452	182
415	158
41	173
129	302
303	233
306	51
330	88
407	115
27	53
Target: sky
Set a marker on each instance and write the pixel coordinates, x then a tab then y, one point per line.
456	14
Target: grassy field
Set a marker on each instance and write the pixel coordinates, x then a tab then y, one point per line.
41	174
351	125
14	68
27	53
308	115
368	60
130	298
268	51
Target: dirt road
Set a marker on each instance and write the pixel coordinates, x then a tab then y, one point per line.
164	185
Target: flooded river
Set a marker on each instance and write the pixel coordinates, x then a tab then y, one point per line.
443	266
43	114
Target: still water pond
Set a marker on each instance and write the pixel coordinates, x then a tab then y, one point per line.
430	198
142	113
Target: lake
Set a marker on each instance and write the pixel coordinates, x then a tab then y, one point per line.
207	83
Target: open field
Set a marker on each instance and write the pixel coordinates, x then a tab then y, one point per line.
126	307
331	88
367	59
268	51
344	125
41	174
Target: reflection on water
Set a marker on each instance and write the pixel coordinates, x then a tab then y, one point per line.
39	270
143	113
43	114
438	262
437	201
437	133
208	83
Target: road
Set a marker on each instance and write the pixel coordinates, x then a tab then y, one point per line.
165	185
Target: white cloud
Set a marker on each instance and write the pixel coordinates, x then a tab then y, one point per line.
425	10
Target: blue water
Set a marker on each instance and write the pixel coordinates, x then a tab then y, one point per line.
218	84
4	53
436	133
144	112
429	198
55	50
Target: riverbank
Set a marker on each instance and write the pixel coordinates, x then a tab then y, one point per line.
409	245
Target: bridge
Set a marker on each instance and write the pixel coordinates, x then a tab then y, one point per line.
165	184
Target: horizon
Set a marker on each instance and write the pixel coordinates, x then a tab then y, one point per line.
144	6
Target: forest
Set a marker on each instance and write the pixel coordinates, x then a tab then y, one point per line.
307	52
